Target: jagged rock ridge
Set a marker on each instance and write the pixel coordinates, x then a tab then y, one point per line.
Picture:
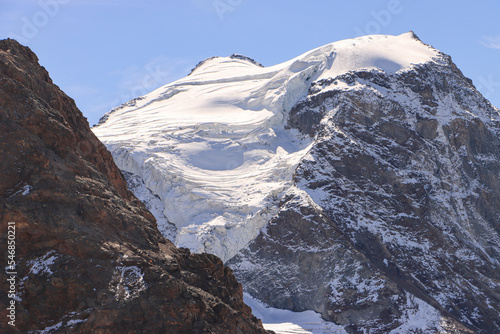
90	258
397	206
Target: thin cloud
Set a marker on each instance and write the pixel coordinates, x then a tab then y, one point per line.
137	80
113	3
492	42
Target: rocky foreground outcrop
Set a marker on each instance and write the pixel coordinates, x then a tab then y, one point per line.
89	257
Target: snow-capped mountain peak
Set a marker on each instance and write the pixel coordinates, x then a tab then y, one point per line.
354	180
213	145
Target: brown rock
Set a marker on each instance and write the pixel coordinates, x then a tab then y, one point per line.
90	258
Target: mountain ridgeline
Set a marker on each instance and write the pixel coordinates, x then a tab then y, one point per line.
360	180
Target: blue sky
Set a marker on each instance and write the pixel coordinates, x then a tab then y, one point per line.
105	52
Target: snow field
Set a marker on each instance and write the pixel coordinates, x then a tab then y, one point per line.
213	145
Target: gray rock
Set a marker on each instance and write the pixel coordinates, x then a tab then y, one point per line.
396	210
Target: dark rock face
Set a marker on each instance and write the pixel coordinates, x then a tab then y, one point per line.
396	212
90	258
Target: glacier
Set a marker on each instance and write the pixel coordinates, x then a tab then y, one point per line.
360	180
215	147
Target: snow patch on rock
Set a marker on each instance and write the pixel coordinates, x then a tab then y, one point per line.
41	265
285	321
128	282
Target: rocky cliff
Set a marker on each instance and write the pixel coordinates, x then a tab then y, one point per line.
89	256
394	220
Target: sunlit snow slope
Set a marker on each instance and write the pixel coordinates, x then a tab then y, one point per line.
214	146
288	322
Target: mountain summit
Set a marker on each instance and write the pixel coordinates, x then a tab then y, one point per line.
213	146
87	256
360	179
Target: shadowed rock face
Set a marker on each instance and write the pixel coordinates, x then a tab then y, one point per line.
90	258
395	216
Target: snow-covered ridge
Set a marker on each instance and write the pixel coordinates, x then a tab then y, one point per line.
213	145
233	56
